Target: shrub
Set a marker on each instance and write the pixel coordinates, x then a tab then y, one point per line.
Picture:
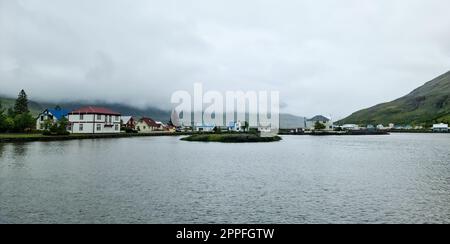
63	133
129	130
23	122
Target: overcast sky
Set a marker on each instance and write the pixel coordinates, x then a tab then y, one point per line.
325	57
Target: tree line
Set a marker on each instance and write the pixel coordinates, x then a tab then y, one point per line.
17	119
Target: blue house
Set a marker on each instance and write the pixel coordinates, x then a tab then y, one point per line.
53	115
234	126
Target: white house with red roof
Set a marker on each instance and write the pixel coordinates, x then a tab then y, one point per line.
148	125
94	120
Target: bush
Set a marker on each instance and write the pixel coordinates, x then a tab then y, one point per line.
9	124
23	122
58	133
2	123
63	133
129	130
319	126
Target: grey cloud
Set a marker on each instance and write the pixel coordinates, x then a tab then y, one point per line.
330	57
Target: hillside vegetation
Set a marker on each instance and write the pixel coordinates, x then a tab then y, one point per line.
425	105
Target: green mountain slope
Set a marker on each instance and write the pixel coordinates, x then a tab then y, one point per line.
35	108
427	104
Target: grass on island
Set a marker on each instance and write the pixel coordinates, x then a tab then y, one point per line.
230	138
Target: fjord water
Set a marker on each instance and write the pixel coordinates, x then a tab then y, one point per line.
400	178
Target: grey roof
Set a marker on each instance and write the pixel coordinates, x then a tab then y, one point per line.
319	118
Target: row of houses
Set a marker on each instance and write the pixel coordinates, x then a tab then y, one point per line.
98	120
235	126
329	125
436	127
441	127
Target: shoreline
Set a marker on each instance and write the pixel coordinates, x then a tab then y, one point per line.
359	133
13	138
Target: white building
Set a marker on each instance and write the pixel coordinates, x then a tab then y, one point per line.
265	129
440	127
381	127
310	123
148	125
199	127
50	115
235	126
161	125
94	120
350	127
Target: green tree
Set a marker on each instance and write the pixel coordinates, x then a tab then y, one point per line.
23	122
319	126
10	113
62	126
48	123
8	124
21	106
245	126
2	123
53	127
2	119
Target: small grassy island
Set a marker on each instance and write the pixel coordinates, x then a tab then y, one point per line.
231	138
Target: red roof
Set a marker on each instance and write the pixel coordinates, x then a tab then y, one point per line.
150	122
94	110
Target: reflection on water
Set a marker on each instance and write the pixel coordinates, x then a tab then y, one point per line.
20	150
401	178
2	148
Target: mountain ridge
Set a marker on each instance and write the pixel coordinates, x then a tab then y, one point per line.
427	104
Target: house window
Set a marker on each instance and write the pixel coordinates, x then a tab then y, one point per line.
81	117
117	118
117	127
99	127
42	118
110	119
81	127
99	117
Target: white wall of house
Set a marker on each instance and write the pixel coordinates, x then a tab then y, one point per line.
235	126
350	127
143	127
440	127
40	121
94	124
204	129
